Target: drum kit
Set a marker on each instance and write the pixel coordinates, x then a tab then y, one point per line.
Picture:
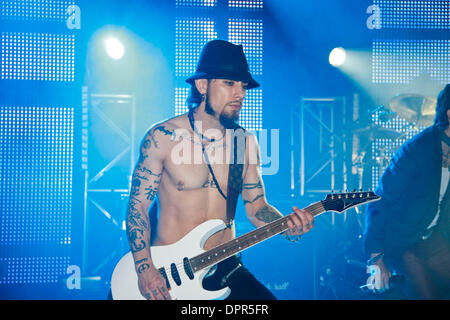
417	110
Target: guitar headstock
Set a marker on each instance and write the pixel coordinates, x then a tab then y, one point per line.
340	202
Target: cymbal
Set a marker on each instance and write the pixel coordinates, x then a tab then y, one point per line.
414	108
378	132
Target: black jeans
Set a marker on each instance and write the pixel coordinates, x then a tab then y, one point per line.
244	286
426	268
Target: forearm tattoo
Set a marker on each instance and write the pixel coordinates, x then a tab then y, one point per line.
267	214
136	237
142	265
137	221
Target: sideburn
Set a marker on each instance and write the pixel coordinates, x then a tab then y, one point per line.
208	108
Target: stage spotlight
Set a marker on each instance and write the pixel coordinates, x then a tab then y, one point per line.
114	48
337	57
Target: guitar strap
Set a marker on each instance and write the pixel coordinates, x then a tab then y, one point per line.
235	176
234	185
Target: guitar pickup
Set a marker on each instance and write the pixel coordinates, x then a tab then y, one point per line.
188	268
175	274
164	274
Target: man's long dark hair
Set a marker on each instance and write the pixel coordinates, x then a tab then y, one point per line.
442	106
195	98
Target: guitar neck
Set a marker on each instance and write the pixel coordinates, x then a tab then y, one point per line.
232	247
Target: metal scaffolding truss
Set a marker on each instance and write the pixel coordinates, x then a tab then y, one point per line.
321	145
108	158
318	145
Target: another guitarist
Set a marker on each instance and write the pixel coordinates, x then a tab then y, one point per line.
408	229
190	192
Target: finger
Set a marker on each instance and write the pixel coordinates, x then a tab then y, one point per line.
307	215
386	282
296	223
304	220
166	293
381	287
147	296
290	224
156	294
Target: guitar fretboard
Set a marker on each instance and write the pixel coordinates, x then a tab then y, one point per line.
232	247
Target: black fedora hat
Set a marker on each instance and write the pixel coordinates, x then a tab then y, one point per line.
221	59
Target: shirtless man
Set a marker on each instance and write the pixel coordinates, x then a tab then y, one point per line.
188	194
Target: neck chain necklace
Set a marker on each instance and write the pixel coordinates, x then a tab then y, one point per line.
192	122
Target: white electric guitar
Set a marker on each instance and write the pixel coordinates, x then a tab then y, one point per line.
184	264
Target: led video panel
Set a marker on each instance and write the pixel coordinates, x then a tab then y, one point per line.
246	4
37	56
36	160
191	34
36	10
428	14
401	61
248	33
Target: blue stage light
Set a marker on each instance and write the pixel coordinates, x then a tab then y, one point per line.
114	48
337	57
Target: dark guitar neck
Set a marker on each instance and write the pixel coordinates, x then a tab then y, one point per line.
232	247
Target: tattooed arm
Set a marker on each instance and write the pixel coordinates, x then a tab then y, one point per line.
144	188
259	211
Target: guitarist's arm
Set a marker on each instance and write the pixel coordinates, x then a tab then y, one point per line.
144	188
258	210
